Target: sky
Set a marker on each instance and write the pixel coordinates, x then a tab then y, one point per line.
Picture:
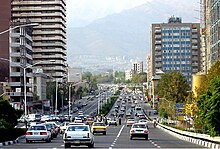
83	12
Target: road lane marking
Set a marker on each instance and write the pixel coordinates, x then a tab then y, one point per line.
119	133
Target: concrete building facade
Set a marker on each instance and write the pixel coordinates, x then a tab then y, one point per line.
20	59
138	67
129	74
49	37
175	46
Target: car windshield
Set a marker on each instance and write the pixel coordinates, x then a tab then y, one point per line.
77	128
99	124
139	126
37	128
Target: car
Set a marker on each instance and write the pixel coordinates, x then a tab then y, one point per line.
55	127
111	122
78	135
84	104
63	127
34	117
89	121
75	109
139	130
38	133
98	127
78	120
130	122
52	130
45	118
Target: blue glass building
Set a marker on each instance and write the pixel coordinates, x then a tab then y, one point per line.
175	47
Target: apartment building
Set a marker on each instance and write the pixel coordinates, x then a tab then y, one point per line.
129	74
175	46
20	59
49	37
138	67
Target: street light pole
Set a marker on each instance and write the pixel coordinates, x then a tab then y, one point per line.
56	98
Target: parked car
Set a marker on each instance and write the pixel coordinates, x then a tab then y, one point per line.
139	130
38	133
78	135
98	127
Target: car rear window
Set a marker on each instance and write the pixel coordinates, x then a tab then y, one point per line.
99	124
139	126
37	128
77	128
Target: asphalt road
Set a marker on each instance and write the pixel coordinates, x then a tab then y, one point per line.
117	137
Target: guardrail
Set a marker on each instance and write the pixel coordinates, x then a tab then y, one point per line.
200	139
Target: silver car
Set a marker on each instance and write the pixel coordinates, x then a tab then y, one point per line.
38	133
78	135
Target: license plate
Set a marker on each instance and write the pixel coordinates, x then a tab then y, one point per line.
36	133
76	142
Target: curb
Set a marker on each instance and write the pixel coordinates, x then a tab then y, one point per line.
6	143
192	140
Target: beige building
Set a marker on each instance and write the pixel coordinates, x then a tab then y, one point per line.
128	74
49	37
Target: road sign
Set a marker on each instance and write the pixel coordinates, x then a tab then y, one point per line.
179	105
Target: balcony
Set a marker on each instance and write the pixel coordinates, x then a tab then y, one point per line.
195	53
16	74
157	31
158	36
158	53
15	84
158	59
157	42
195	36
157	47
195	70
194	31
194	47
158	65
194	41
195	58
195	64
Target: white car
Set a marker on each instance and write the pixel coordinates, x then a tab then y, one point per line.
38	133
111	122
78	135
139	130
130	122
78	120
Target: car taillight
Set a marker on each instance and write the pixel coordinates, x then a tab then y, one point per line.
28	133
145	131
132	130
43	133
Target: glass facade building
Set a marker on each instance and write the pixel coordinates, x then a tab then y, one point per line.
175	47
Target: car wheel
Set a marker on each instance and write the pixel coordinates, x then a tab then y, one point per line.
91	145
27	141
48	140
131	137
146	137
67	145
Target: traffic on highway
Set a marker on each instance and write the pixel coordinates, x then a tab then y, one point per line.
125	126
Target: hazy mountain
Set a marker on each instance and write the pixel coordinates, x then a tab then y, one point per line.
122	34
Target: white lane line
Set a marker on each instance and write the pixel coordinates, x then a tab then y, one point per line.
119	133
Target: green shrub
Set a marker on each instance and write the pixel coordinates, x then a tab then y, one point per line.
9	134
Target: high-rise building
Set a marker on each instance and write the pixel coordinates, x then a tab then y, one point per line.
5	17
20	59
175	46
138	67
49	37
214	17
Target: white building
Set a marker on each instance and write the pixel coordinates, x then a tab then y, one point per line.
128	74
138	67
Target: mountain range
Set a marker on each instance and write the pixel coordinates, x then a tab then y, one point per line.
122	34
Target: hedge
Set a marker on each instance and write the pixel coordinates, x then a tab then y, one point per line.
10	134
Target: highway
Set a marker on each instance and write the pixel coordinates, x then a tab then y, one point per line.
117	137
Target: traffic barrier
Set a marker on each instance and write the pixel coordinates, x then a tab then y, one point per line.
6	143
195	138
